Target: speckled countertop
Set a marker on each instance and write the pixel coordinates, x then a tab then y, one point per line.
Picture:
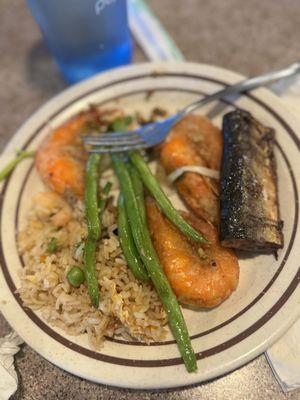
247	36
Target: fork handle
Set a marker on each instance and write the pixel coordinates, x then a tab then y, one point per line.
243	86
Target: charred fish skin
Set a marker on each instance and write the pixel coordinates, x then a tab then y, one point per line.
249	201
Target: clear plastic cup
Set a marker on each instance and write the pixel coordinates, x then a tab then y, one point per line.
84	36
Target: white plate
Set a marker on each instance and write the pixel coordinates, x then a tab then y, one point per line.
267	299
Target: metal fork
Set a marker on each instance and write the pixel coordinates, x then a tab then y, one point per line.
151	134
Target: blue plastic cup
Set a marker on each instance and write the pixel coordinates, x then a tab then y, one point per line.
84	36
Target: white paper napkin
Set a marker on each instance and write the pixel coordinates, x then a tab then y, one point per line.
9	346
284	359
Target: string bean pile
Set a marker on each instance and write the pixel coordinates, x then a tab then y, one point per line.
131	185
133	173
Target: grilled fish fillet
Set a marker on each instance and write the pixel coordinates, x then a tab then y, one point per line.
249	202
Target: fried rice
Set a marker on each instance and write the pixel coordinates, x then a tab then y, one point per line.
128	308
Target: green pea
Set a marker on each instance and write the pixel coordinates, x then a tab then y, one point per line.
75	276
52	245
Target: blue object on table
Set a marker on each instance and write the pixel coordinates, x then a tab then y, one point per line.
84	36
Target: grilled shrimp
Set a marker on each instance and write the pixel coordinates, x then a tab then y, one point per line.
195	141
200	275
60	159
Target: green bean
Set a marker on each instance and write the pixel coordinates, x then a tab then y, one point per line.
121	124
90	271
149	257
76	276
13	163
127	243
162	200
166	206
138	189
94	230
103	199
91	196
94	225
